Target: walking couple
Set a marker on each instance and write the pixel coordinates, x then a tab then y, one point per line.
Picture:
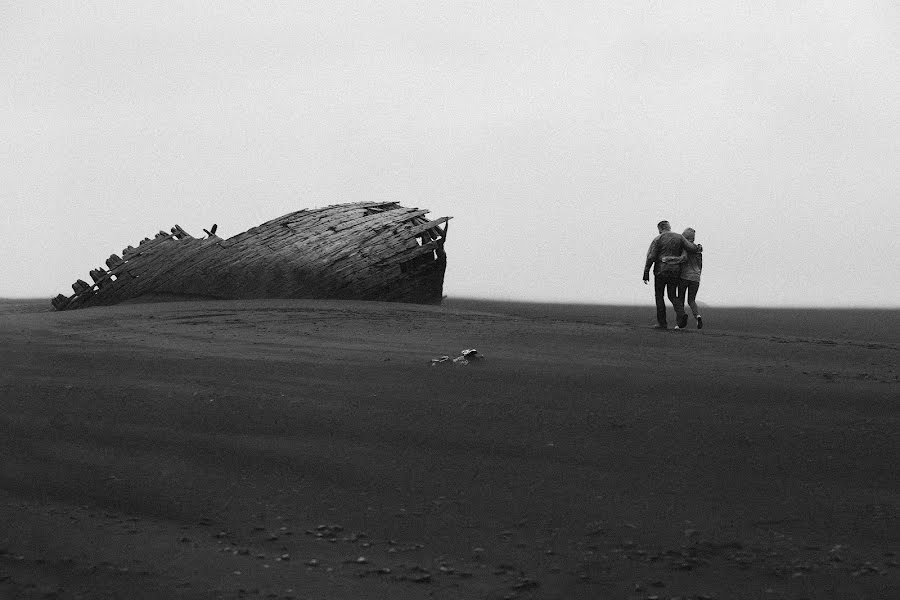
677	262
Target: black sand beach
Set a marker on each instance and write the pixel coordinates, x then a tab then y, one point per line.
308	449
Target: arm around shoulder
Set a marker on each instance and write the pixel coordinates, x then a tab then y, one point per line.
676	260
690	246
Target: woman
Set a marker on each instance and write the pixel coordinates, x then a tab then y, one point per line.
689	280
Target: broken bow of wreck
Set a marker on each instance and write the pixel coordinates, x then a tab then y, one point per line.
359	251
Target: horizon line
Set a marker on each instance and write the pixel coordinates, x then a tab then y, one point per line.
566	302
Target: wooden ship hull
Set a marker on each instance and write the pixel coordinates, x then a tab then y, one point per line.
359	251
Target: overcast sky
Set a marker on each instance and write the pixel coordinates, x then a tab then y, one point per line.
556	134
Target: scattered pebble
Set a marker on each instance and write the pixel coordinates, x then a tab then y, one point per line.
526	584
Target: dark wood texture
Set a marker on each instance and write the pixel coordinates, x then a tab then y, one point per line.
361	251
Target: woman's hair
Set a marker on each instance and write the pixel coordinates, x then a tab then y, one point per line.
689	233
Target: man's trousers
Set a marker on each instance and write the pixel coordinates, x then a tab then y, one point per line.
669	286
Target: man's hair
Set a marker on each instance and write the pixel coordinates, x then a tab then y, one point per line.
664	225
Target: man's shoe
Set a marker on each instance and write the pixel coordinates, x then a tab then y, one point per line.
660	327
682	322
699	322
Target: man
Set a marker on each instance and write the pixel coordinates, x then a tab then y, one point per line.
666	276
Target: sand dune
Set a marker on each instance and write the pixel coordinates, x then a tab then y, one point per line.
308	449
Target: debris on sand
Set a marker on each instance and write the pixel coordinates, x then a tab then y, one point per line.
465	357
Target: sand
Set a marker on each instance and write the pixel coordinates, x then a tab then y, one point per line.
308	449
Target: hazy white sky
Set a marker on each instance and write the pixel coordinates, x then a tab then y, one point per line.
555	133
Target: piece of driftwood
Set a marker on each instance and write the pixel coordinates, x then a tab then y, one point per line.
359	251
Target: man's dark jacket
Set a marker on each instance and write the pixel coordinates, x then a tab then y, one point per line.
668	243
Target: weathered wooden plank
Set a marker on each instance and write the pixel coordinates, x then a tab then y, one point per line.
146	244
407	255
337	247
390	246
81	286
395	269
192	263
180	233
60	302
321	231
152	261
429	225
375	220
114	291
276	233
361	222
164	265
279	243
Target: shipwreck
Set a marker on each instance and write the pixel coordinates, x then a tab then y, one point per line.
359	251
